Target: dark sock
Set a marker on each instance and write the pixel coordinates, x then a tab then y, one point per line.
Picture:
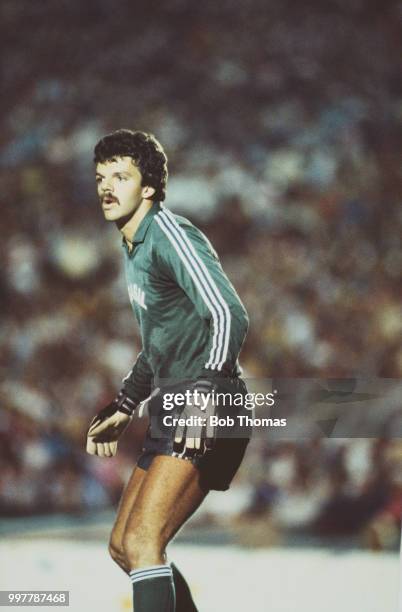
153	589
184	601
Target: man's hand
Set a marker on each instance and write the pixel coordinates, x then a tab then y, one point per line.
108	425
198	435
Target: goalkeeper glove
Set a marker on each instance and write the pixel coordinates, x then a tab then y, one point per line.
108	425
198	434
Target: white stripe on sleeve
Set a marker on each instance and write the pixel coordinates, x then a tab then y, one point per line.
205	285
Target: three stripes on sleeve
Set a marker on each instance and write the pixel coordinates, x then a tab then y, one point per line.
205	285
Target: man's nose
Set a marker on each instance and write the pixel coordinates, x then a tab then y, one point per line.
107	186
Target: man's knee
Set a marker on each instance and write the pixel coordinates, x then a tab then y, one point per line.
116	551
142	546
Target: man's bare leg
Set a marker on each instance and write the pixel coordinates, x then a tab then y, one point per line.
169	494
154	505
125	506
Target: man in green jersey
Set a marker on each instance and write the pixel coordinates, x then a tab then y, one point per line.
192	327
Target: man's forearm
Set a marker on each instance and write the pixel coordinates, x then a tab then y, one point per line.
138	382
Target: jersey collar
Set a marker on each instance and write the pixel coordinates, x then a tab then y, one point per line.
144	225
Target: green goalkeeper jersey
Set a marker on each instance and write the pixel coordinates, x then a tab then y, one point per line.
191	320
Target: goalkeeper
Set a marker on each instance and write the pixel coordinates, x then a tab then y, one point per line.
192	327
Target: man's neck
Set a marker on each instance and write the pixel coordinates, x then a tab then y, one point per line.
130	227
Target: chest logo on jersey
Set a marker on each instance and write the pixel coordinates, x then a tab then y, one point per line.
137	295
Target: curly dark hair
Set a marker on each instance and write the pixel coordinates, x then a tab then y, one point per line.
147	154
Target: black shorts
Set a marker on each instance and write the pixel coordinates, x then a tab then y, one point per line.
217	466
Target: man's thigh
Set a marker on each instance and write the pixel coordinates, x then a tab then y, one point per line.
126	504
169	494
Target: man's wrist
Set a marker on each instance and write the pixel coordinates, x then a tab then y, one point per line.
125	403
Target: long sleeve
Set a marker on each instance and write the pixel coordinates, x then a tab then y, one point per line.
190	260
138	382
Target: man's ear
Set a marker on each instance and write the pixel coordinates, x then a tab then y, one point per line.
148	192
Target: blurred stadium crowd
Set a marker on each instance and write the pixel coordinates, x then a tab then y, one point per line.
283	127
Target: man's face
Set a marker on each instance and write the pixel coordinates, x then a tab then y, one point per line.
119	188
